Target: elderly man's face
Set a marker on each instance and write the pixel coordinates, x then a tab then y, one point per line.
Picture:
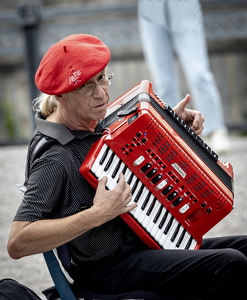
89	107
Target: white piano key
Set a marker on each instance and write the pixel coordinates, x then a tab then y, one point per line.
160	232
111	170
100	171
127	174
139	194
170	234
156	225
185	240
147	218
134	195
113	183
193	244
133	181
173	244
136	191
98	158
143	214
151	223
164	236
138	210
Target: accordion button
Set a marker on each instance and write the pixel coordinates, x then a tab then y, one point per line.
192	133
151	173
146	167
161	185
177	201
199	140
214	155
156	179
167	190
184	208
139	160
172	196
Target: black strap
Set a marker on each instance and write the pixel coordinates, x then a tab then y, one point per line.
41	145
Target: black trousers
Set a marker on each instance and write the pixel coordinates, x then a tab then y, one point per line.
217	271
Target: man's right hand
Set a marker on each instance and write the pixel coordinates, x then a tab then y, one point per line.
113	203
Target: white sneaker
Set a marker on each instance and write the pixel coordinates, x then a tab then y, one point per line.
220	141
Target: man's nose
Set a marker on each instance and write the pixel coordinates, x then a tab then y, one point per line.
98	91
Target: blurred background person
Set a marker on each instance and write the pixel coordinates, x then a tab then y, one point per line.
174	28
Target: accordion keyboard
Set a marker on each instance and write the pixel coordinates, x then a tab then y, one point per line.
154	218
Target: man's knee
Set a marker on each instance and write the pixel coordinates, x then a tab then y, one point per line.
231	274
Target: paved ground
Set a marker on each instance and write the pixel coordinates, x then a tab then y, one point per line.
32	271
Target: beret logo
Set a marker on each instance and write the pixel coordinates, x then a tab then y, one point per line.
74	78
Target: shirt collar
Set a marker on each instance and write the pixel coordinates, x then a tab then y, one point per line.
60	132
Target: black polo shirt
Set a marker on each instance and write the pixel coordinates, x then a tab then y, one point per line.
56	189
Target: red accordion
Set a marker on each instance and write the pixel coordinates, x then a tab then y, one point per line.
181	188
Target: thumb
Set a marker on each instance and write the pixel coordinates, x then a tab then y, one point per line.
102	182
182	104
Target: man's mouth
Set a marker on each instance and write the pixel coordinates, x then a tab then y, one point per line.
100	105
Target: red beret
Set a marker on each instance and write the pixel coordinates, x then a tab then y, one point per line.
70	63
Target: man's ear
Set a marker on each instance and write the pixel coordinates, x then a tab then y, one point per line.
58	97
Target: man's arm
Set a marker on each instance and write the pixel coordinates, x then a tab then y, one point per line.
27	238
192	117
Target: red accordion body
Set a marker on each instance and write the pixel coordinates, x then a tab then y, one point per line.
181	188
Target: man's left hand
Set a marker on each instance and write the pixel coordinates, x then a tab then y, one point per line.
191	117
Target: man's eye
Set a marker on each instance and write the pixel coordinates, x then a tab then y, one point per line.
101	76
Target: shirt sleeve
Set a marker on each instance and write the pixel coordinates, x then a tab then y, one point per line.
45	192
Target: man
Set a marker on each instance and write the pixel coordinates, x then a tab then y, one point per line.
60	207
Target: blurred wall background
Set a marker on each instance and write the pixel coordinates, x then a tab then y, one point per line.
28	28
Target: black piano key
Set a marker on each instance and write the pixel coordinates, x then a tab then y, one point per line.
130	178
158	214
180	239
123	171
162	222
151	207
168	226
137	197
151	173
107	166
175	233
156	179
146	201
135	185
187	247
146	167
114	173
104	156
